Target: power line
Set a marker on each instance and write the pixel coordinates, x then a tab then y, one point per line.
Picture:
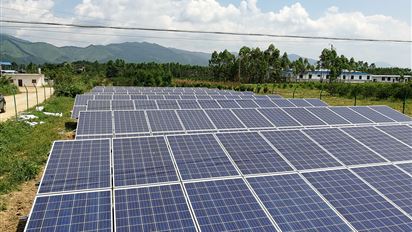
204	32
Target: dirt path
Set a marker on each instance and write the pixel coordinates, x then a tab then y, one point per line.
21	101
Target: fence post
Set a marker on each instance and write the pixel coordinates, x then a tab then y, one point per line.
273	87
355	98
404	102
15	103
44	91
293	96
37	95
27	97
321	90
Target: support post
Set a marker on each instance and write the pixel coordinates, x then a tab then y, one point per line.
293	96
404	101
15	103
44	91
37	95
27	97
321	90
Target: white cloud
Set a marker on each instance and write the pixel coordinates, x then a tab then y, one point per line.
246	17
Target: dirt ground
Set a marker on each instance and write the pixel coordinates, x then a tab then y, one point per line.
21	101
18	203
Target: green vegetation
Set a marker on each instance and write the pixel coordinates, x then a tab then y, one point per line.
24	149
7	88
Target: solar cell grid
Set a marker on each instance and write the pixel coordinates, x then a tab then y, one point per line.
76	110
203	97
188	104
195	120
77	165
130	122
103	97
164	120
172	97
158	208
407	167
381	143
200	156
252	118
233	97
155	97
401	132
279	118
138	97
99	105
391	182
122	105
283	103
224	119
316	102
365	209
343	147
247	103
94	122
304	117
227	205
252	154
299	102
371	114
89	211
121	97
228	104
82	99
167	104
350	115
327	116
300	150
209	104
391	113
265	103
142	161
294	205
145	104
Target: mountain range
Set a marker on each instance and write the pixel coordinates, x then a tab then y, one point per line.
23	52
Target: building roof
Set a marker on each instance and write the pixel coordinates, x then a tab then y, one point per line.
5	63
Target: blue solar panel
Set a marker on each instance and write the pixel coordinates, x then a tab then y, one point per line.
283	103
381	143
195	120
295	206
359	204
99	105
159	208
233	97
142	161
224	119
121	97
407	167
164	120
82	99
138	97
89	211
94	122
130	122
391	182
252	154
279	118
303	116
391	113
155	97
228	104
247	103
328	116
209	104
203	97
252	118
371	114
103	97
188	104
77	165
172	97
316	102
227	205
299	102
343	147
401	132
350	115
300	150
76	111
167	104
145	104
122	105
200	156
265	103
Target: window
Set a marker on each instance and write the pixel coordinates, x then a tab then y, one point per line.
344	77
33	81
383	78
368	77
327	76
352	77
301	76
318	75
360	77
389	79
310	76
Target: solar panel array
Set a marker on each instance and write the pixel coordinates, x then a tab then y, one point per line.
306	169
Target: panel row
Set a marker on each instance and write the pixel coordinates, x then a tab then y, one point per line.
164	90
86	164
364	199
143	122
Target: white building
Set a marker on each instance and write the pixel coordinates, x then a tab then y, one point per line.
26	79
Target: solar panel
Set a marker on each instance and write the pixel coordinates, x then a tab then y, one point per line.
158	208
90	211
145	104
294	205
76	110
252	118
371	114
203	97
227	205
195	120
328	116
103	97
188	97
223	97
252	154
142	161
359	204
228	104
138	97
130	122
304	117
94	122
188	104
283	103
155	97
77	165
224	119
391	113
82	99
233	97
350	115
247	103
265	103
279	118
122	105
381	143
316	102
300	150
391	182
167	104
99	105
172	97
401	132
209	104
343	147
299	102
407	167
164	120
200	156
121	97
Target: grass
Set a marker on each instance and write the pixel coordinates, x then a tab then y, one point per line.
24	149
